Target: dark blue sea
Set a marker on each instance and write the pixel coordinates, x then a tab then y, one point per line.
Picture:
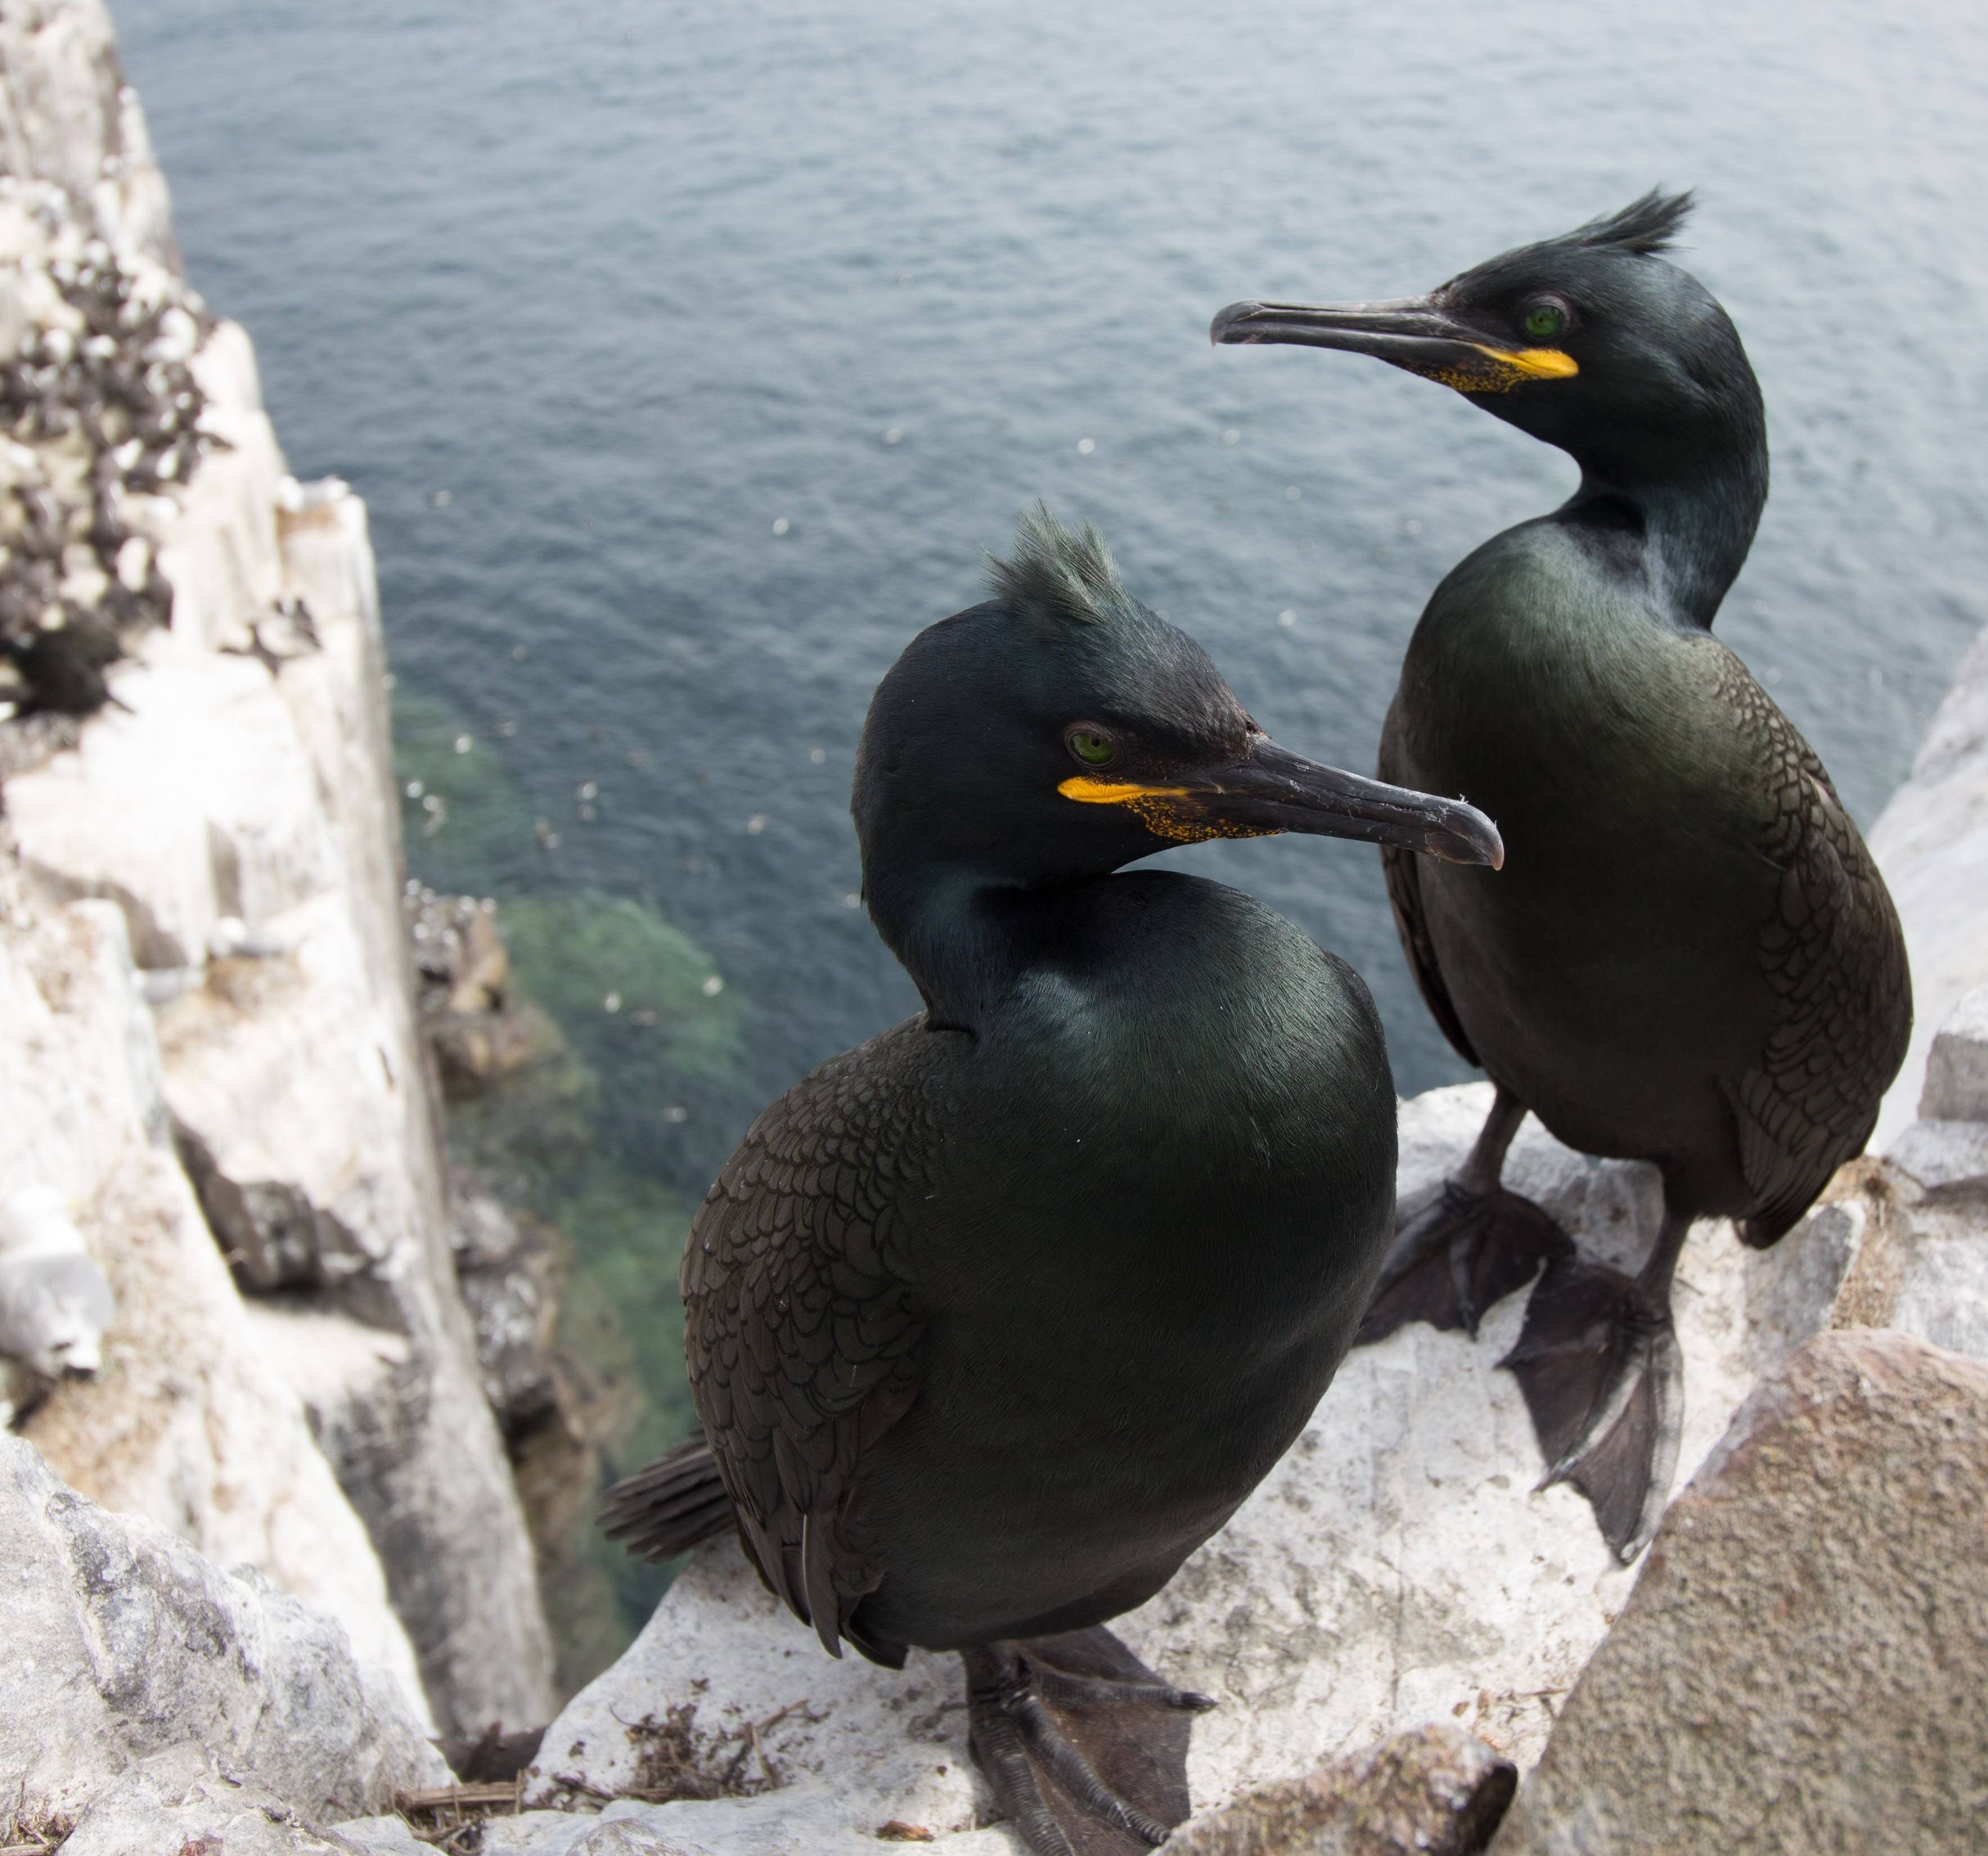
587	299
689	356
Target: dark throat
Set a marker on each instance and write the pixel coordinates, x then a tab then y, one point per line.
954	930
1692	501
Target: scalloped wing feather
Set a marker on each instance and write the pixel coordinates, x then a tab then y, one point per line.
1834	954
802	1332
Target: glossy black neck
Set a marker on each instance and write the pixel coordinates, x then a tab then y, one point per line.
954	930
1695	498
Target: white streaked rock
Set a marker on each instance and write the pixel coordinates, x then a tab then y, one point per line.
124	1643
188	1421
1931	842
231	805
1956	1080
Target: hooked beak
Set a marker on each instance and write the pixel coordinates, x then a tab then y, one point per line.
1270	789
1415	332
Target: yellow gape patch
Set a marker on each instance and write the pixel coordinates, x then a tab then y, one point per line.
1510	367
1149	804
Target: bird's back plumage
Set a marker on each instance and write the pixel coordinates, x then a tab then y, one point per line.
1690	957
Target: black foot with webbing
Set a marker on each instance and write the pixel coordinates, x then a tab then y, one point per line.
1599	1365
1085	1747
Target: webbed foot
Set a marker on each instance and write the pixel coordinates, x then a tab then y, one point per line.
1085	1747
1599	1365
1462	1253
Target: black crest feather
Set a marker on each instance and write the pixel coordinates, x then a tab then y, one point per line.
1052	570
1647	226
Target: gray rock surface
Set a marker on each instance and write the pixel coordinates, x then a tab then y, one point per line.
1931	842
1918	1246
382	1836
123	1643
1956	1078
477	1030
180	1803
1437	1792
1397	1568
1800	1668
188	1421
68	118
808	1819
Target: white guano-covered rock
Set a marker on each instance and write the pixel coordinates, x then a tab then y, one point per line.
1956	1079
1397	1568
188	1420
1436	1792
67	116
1931	842
1920	1249
238	811
180	1801
123	1642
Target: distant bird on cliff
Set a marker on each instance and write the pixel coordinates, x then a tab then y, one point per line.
994	1319
62	668
1691	957
55	1303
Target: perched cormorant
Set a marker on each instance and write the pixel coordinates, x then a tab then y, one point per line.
1690	958
994	1319
62	668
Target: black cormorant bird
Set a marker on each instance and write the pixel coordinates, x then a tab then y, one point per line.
1690	958
62	668
992	1321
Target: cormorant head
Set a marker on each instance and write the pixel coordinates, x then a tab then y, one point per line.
1063	729
1592	341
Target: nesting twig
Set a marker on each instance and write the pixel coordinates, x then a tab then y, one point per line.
455	1813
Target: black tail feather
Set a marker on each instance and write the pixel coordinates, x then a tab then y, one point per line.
677	1502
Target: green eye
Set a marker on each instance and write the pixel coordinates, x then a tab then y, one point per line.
1545	320
1090	747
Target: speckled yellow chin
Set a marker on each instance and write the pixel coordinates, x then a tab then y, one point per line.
1149	804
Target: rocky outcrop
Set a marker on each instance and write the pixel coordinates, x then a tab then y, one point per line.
234	810
1917	1218
1435	1793
180	1802
124	1643
189	1420
69	120
556	1413
1932	842
477	1030
1799	1668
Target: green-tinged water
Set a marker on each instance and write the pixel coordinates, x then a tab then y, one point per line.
639	1016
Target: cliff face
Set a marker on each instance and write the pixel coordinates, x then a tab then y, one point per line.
1931	842
212	1051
